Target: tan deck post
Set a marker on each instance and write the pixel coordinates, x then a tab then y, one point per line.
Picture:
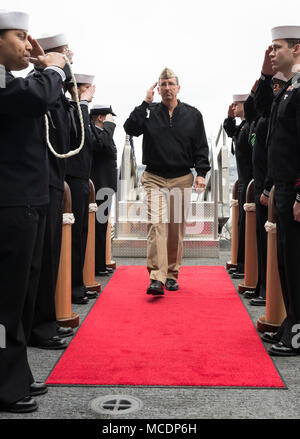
89	261
63	293
251	268
275	309
234	228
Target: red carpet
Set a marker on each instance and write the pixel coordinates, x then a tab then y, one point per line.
200	335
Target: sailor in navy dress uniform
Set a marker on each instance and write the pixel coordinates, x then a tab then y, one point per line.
266	88
104	174
283	143
24	195
45	333
243	154
77	176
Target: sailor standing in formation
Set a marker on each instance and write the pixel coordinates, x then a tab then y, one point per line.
104	175
23	199
243	153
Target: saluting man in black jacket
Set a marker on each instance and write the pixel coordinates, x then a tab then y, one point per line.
24	195
174	142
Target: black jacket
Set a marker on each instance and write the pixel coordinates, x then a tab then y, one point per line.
171	146
104	171
243	150
283	140
80	165
24	169
59	134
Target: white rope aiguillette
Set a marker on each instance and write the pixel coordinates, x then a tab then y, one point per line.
270	227
249	207
93	207
76	151
68	218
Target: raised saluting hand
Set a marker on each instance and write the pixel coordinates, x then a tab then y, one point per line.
267	65
150	93
231	111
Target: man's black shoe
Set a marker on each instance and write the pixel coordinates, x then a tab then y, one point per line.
250	294
281	350
90	294
37	389
53	343
103	273
238	275
156	288
232	270
258	301
271	337
25	405
80	301
171	285
64	332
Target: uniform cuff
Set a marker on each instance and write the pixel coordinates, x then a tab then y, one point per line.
57	70
298	197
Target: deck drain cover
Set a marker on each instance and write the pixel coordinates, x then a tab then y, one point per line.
115	405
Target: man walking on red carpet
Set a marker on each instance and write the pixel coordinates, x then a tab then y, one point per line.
174	142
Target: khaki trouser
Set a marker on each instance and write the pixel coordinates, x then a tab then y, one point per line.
168	202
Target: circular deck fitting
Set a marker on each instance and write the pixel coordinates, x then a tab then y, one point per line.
115	405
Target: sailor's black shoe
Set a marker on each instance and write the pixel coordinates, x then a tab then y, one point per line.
25	405
37	389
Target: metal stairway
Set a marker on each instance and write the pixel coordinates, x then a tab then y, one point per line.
209	210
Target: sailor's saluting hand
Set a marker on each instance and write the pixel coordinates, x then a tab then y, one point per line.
231	111
150	93
267	65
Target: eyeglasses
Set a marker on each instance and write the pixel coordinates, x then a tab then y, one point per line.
166	84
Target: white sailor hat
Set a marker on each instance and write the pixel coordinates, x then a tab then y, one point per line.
102	109
14	20
284	32
83	79
51	41
240	98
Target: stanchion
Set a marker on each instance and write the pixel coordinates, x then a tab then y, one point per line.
89	261
109	262
275	309
251	268
234	227
63	293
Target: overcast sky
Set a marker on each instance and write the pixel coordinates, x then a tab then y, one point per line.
215	47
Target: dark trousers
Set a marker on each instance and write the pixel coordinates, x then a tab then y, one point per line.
102	218
44	324
80	191
262	242
21	236
242	189
288	245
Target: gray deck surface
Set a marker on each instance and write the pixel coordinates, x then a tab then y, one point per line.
170	403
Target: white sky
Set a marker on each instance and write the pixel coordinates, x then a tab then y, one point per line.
215	47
